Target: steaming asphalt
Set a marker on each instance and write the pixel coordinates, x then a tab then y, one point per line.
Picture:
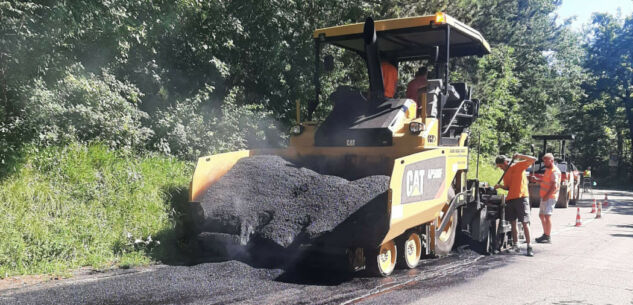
590	264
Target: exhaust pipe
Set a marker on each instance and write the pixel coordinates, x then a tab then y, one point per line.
372	58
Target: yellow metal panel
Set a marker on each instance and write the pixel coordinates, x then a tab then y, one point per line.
462	138
406	115
409	215
380	25
210	169
412	108
401	23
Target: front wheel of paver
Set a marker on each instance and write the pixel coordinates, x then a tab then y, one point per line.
410	250
382	261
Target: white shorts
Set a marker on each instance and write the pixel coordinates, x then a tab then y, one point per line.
547	207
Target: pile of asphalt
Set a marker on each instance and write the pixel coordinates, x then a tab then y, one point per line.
267	200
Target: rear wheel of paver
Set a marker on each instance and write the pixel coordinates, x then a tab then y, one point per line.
444	240
382	261
563	198
411	250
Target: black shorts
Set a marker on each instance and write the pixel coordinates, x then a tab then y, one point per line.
518	209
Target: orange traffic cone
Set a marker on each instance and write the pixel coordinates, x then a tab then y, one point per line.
599	214
578	223
606	200
593	206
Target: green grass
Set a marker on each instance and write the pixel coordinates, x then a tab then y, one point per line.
73	206
488	172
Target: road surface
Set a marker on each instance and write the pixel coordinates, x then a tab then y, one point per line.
590	264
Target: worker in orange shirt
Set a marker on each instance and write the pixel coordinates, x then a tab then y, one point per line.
549	188
414	86
517	201
389	78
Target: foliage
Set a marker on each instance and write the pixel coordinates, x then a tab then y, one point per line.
498	123
609	103
185	130
488	172
77	205
83	108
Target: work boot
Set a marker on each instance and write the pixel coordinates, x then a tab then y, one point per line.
544	239
529	252
516	249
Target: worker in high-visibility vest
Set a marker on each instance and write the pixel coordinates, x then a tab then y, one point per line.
587	173
549	188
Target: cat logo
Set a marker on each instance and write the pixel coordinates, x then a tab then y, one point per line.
415	182
416	178
350	142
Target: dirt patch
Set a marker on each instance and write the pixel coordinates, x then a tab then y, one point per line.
23	281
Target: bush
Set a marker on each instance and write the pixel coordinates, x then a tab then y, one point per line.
198	126
82	107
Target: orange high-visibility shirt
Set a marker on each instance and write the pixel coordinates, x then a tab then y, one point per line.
516	180
551	175
415	85
389	78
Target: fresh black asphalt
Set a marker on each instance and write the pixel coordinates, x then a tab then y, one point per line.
275	202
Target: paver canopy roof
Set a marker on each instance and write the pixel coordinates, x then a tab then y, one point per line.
410	38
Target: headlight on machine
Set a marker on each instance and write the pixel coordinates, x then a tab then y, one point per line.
296	130
416	127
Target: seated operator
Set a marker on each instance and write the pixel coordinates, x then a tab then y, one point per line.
417	83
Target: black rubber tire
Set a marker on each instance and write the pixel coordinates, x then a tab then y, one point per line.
486	246
563	198
443	247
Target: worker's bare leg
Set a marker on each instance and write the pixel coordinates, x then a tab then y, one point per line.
526	232
547	224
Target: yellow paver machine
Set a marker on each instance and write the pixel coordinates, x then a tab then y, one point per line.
421	145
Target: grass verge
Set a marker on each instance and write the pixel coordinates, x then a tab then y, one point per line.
488	172
73	206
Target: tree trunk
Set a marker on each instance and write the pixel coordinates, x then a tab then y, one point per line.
628	107
3	84
620	140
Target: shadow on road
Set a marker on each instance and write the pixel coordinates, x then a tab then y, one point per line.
622	235
308	274
621	207
623	226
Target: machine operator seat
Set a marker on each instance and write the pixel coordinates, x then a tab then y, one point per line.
433	96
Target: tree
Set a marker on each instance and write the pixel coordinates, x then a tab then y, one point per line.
610	60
